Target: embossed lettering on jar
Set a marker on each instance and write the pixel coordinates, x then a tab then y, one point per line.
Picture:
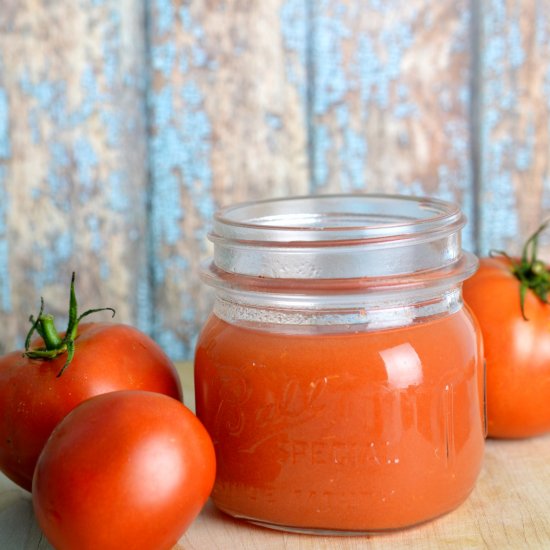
340	374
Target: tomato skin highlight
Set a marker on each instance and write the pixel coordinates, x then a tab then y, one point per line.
517	351
127	469
33	400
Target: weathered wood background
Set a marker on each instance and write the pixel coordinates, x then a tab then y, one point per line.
124	124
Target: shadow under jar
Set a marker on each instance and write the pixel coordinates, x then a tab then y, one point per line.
340	374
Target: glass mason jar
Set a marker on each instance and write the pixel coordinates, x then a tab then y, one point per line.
340	374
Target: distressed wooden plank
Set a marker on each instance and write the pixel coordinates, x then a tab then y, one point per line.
391	99
515	72
72	159
228	124
5	153
377	92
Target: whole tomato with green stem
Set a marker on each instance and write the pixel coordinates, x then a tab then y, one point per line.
127	469
56	372
509	297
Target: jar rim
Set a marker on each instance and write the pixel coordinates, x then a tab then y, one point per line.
346	236
330	259
351	217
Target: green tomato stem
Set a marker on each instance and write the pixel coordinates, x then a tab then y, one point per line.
532	273
49	333
54	345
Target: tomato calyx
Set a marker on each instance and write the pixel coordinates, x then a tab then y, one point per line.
54	344
532	273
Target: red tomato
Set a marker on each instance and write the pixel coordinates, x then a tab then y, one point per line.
517	350
33	399
127	469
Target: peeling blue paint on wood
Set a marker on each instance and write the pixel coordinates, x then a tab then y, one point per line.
34	125
293	17
180	156
186	18
180	167
59	251
112	47
353	154
170	339
118	198
377	75
5	279
524	154
164	14
360	76
458	177
5	154
413	188
164	58
501	54
330	85
5	149
73	85
368	105
167	211
329	78
295	24
197	132
86	163
322	149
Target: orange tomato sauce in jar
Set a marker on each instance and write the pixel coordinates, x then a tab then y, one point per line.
349	404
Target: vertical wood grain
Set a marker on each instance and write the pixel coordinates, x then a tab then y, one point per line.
515	76
6	306
227	92
391	98
72	159
249	100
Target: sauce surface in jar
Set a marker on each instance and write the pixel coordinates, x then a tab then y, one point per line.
344	432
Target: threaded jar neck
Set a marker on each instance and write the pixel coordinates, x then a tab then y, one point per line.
353	258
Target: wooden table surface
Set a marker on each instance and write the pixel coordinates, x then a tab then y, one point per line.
509	508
